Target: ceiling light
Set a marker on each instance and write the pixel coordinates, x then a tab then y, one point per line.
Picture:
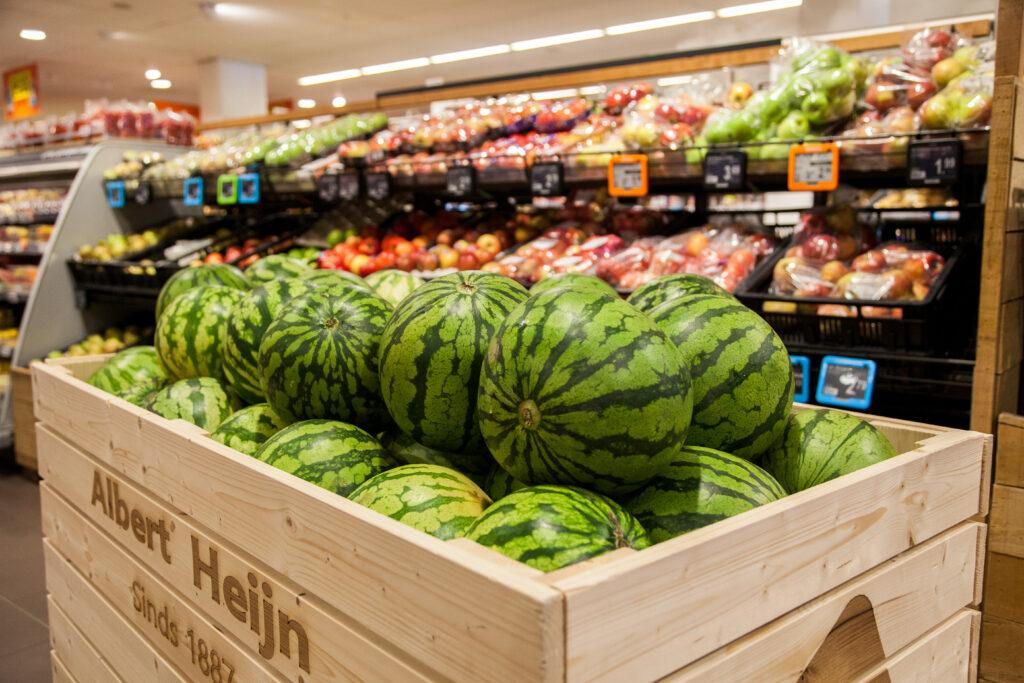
339	101
756	7
471	54
305	103
664	22
330	77
395	66
561	39
555	94
152	74
593	89
160	83
302	123
675	80
231	10
32	34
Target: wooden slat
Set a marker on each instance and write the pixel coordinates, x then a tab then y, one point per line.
1010	454
1004	587
1011	322
75	650
945	654
1002	656
650	614
338	650
60	672
1009	48
904	598
1007	533
23	418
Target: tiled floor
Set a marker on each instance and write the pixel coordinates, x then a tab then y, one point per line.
24	639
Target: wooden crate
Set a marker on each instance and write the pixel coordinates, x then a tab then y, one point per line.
872	575
24	418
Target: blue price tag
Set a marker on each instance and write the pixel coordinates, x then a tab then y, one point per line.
846	382
192	191
249	188
801	378
115	194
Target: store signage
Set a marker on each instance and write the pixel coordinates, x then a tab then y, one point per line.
933	162
327	188
460	181
846	382
249	188
348	186
192	191
143	192
725	170
627	175
378	186
801	378
21	92
547	179
227	189
814	167
115	194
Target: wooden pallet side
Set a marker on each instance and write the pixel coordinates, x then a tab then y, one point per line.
944	654
23	417
60	672
1000	650
75	650
656	611
335	648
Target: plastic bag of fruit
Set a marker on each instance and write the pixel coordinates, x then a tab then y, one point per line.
929	46
895	83
823	243
873	133
965	103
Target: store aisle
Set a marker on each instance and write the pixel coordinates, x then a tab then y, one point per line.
24	639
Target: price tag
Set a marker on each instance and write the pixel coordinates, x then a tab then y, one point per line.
460	181
249	188
348	186
814	167
192	191
547	179
933	162
378	186
327	188
627	175
143	192
846	382
801	378
115	194
227	189
725	170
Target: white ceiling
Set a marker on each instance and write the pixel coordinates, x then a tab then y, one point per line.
101	48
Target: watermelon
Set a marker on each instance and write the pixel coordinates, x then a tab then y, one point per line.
500	483
132	369
436	500
431	353
336	456
140	395
333	277
199	400
249	320
550	527
742	379
698	488
403	448
393	285
189	278
275	267
573	281
819	445
670	287
191	331
318	358
581	388
247	429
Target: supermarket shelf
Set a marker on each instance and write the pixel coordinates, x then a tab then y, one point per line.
14	296
58	162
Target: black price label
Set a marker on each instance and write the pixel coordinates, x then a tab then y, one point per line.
327	188
143	192
378	186
933	162
725	170
348	186
460	181
801	378
547	179
846	382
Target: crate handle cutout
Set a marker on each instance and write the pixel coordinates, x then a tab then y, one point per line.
854	645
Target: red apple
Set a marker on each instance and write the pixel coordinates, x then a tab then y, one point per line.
489	242
468	261
427	261
357	263
869	262
833	270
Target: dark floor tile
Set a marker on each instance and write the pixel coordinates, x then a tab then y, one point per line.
30	665
33	603
18	631
22	573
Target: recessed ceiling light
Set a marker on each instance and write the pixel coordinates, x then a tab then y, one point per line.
675	80
471	54
329	77
152	74
32	34
664	22
339	101
305	103
400	65
560	39
757	7
160	83
231	10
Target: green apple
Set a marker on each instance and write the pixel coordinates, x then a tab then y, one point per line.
794	127
816	106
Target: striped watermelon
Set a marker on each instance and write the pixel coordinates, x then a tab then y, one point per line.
404	449
275	267
249	320
500	483
573	281
436	500
820	445
431	353
333	277
671	287
318	358
742	379
190	333
199	400
550	527
247	429
333	455
698	488
580	388
393	285
215	274
141	394
130	370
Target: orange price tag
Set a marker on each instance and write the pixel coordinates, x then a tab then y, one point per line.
627	175
814	166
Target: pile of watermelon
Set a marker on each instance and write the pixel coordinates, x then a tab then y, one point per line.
552	425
